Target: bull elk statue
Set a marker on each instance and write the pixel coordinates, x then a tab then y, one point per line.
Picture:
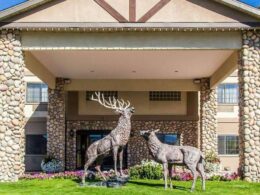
169	155
114	142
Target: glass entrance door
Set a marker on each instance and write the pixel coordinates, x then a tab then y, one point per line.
84	140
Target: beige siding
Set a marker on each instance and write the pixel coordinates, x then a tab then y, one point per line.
174	11
230	162
141	102
227	128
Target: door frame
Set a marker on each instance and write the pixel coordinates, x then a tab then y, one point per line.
84	132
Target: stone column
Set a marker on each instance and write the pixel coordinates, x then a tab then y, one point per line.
208	118
249	106
56	122
12	96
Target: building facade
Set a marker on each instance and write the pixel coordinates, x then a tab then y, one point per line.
167	57
81	133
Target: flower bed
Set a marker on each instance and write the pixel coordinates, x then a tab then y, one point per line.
178	176
224	177
68	175
61	175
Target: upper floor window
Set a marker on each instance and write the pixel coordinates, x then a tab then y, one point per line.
228	144
172	139
228	93
36	93
165	96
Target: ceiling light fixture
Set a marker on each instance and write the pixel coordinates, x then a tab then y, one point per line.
197	81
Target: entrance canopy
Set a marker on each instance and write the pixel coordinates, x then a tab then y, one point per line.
122	64
131	45
141	60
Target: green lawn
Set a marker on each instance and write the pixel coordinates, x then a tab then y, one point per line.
66	186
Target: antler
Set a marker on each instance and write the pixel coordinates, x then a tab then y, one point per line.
110	103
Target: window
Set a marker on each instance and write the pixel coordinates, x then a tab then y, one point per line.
165	96
228	93
107	94
36	144
228	144
36	93
172	139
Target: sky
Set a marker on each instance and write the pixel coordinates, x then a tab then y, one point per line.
254	3
5	4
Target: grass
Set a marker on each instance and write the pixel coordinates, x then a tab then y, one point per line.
134	187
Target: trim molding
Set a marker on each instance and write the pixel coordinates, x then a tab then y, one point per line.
112	26
157	7
132	10
28	5
115	14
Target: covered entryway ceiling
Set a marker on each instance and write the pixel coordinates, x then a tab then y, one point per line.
144	64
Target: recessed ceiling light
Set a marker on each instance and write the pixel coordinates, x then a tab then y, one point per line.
133	71
176	71
92	71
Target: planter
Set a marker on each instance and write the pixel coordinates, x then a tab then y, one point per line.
52	166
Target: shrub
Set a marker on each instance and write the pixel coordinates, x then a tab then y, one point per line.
51	165
224	177
214	178
229	177
212	163
147	170
211	157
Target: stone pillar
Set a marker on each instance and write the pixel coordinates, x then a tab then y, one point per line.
208	118
249	106
12	96
56	122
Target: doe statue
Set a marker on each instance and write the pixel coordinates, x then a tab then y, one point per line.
169	155
114	142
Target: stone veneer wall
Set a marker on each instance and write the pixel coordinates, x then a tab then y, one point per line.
56	121
208	118
12	97
249	105
137	149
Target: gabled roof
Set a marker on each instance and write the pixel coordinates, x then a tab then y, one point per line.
241	7
30	4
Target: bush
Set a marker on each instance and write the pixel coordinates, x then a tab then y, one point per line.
214	178
51	165
211	157
212	163
147	170
224	177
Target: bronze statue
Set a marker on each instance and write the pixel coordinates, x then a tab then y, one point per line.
116	141
169	155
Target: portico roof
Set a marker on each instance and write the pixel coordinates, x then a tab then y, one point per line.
131	40
31	4
108	15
